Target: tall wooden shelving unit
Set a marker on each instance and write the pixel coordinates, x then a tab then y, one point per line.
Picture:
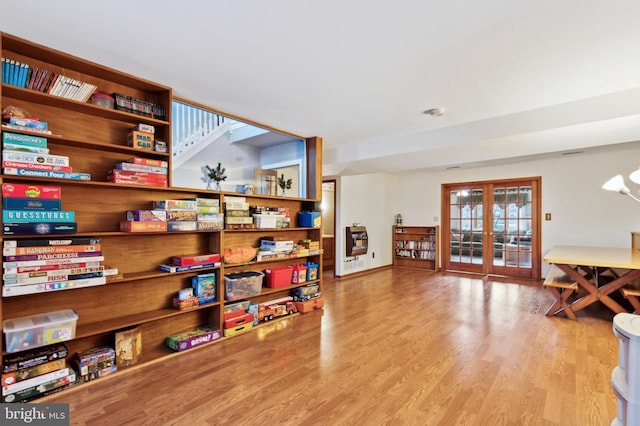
95	138
416	247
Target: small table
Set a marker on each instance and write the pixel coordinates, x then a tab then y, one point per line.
585	265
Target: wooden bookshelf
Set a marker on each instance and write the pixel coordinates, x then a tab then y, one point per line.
95	139
416	247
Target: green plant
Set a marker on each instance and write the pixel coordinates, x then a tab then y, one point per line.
218	174
284	184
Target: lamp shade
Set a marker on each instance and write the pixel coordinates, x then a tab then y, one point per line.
635	176
616	184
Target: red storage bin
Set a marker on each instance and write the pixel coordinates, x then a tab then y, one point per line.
279	277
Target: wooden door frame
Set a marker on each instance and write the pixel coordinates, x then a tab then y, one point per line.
536	217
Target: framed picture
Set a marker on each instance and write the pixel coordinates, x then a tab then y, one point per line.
266	182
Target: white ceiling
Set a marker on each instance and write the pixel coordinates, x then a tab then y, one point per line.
517	79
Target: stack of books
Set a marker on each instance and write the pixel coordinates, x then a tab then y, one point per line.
44	265
23	75
23	155
35	209
34	373
140	171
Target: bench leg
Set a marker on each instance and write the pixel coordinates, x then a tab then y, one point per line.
561	303
634	302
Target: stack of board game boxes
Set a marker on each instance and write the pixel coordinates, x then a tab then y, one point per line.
237	214
28	155
35	209
43	265
193	214
34	373
140	171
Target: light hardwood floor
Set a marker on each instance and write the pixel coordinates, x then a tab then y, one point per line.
393	347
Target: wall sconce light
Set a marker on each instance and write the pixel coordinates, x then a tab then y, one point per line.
616	184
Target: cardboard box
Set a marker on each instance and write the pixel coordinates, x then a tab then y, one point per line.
191	339
128	346
182	304
132	226
140	140
204	287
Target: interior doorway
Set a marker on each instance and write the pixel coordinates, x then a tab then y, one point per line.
328	225
492	227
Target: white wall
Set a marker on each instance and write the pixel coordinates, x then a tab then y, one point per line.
582	213
364	200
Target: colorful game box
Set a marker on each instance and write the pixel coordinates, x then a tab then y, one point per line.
191	339
204	286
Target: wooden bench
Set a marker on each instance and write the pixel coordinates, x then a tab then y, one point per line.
562	291
632	294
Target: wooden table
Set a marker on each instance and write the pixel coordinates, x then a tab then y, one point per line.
587	267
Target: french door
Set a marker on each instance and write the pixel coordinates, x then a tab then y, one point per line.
492	227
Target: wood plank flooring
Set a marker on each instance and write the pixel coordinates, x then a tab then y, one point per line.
393	347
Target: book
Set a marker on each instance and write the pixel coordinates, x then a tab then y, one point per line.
36	166
12	65
72	248
42	228
4	72
51	242
35	73
48	262
22	190
175	268
9	203
47	174
21	290
31	216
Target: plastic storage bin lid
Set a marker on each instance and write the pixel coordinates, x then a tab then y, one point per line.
39	320
627	324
